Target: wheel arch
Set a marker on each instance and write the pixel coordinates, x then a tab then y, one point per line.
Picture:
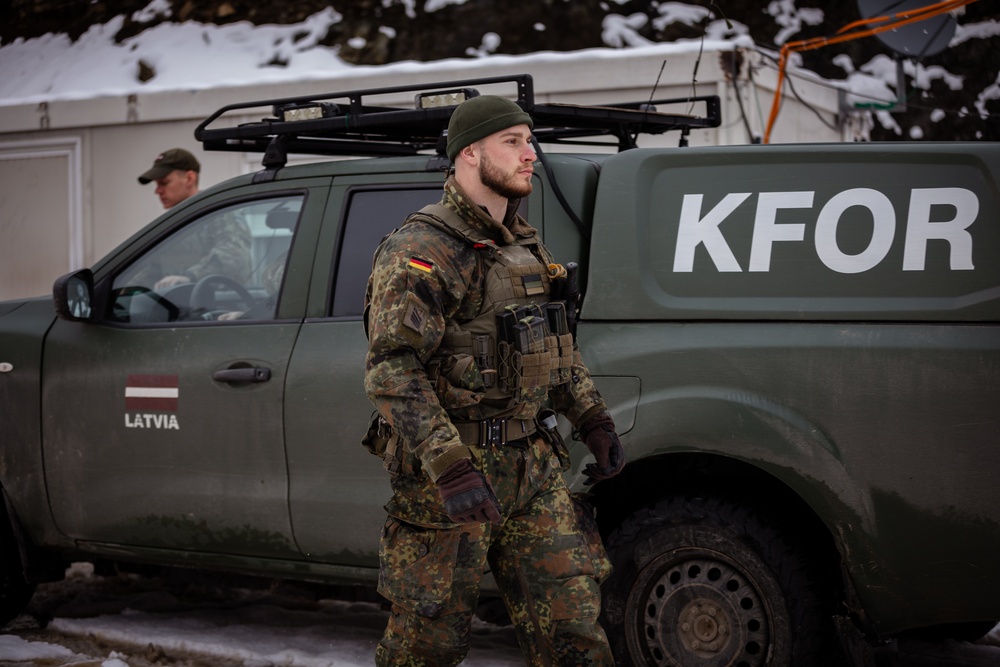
754	449
743	438
654	478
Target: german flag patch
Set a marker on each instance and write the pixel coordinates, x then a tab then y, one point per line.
420	264
533	284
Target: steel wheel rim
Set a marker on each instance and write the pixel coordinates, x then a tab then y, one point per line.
694	605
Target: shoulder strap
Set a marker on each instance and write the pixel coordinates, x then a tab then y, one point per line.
443	218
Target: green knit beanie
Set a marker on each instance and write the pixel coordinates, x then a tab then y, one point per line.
479	117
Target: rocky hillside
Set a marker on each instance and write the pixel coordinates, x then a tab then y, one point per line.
383	31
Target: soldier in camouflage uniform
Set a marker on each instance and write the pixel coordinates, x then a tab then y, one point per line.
219	247
475	468
175	172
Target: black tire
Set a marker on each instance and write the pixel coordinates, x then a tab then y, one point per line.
705	582
15	591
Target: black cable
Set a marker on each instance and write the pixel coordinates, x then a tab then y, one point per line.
743	113
956	112
557	191
734	67
649	105
791	86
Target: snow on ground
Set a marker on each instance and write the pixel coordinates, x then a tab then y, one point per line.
195	620
343	634
191	619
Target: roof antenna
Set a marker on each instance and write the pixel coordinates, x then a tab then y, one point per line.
656	85
697	63
649	105
729	24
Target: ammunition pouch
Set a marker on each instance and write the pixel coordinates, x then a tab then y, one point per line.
561	348
535	350
531	353
526	375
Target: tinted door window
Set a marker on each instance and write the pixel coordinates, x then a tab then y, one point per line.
227	264
371	214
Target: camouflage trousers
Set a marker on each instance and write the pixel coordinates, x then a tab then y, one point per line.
546	557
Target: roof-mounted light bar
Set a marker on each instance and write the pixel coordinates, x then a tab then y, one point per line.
445	98
298	112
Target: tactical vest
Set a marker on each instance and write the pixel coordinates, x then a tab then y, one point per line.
503	361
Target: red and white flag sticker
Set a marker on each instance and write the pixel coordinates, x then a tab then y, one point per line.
152	392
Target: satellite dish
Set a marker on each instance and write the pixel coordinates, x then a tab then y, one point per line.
913	40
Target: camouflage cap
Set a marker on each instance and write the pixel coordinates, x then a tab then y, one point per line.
479	117
167	161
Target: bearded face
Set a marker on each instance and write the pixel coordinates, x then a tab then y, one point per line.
508	182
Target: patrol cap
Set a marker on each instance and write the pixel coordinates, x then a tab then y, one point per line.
167	161
479	117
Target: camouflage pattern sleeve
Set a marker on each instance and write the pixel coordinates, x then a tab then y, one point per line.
579	399
226	244
417	284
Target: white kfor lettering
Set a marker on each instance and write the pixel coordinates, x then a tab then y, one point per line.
693	231
766	229
883	230
920	228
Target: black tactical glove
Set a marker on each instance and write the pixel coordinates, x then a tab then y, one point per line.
598	433
467	495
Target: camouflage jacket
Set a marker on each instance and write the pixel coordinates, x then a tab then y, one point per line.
228	250
422	279
219	244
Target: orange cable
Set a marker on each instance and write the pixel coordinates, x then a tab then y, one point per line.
904	18
907	14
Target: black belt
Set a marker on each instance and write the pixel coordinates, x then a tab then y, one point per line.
495	432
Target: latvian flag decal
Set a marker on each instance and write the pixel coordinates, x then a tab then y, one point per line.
151	392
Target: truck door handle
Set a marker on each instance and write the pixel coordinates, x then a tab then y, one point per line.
254	374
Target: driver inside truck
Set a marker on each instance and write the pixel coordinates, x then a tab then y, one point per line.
221	248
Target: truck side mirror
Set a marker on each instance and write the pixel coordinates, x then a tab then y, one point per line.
74	296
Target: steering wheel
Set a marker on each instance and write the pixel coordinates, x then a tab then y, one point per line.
203	296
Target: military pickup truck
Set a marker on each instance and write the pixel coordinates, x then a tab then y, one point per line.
800	345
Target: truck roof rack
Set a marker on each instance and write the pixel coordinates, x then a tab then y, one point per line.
347	124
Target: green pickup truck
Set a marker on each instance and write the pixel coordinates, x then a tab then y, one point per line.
800	345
